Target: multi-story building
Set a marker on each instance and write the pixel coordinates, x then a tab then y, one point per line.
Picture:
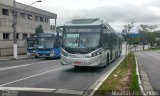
27	18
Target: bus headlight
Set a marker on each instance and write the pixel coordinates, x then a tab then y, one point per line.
52	53
99	52
34	51
64	53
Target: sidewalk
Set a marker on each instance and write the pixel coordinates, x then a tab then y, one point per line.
12	58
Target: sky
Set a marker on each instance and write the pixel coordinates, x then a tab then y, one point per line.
116	12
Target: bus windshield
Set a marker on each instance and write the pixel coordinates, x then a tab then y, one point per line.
31	43
82	40
45	42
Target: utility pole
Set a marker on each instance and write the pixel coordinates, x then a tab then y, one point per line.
14	27
14	30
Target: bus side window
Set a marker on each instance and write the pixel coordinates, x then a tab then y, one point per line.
107	40
111	41
104	34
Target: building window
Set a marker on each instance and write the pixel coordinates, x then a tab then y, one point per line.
36	18
22	15
15	12
17	35
5	36
46	20
31	35
5	12
24	36
29	16
41	19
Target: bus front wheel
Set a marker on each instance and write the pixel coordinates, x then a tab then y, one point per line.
36	57
107	61
76	67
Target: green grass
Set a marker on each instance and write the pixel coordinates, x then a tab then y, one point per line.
134	82
123	78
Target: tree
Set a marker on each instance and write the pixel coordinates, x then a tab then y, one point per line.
147	34
150	37
157	38
146	28
39	29
126	29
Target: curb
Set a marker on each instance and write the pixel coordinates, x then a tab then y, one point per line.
146	85
99	82
138	74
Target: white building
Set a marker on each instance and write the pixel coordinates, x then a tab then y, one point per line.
28	18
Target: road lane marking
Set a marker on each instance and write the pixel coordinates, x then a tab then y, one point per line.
3	60
44	90
66	91
33	76
47	90
13	67
14	61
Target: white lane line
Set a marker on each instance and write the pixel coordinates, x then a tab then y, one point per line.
3	60
33	76
47	90
13	67
66	91
14	61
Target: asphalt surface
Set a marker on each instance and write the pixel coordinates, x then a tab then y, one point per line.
40	73
151	63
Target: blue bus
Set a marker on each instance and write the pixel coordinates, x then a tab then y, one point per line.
31	46
48	45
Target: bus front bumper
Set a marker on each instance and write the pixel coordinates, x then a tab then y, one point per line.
93	61
31	54
47	55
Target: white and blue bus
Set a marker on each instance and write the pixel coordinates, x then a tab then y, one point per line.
48	45
89	42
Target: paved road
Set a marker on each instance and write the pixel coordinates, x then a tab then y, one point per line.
35	73
151	63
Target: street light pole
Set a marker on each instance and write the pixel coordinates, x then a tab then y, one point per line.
32	4
14	30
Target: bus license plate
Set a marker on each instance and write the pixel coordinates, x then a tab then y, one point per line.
77	63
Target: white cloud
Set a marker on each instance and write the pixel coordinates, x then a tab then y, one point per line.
116	12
